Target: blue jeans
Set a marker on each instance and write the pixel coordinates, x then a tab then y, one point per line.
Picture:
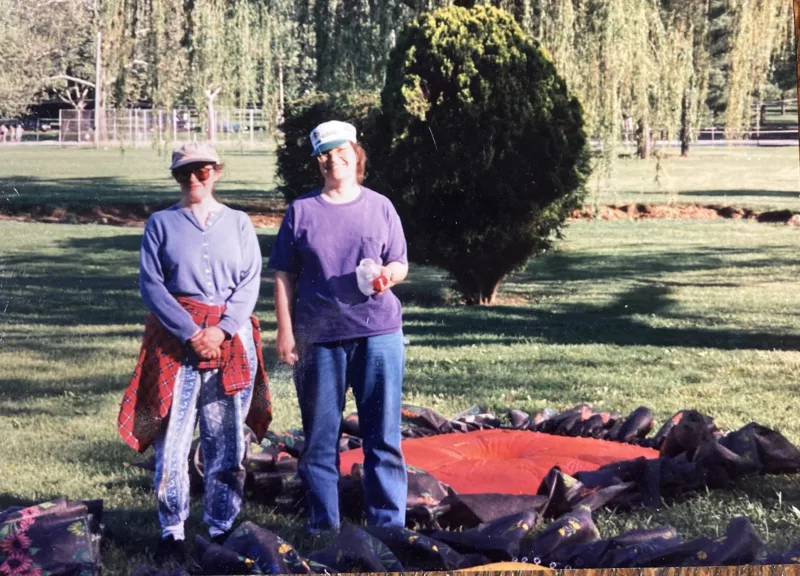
374	367
200	393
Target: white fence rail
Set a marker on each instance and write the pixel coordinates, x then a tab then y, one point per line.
250	127
144	127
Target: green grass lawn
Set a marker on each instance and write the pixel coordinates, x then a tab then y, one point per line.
667	314
31	176
760	178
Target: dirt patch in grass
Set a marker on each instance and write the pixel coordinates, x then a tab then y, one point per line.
134	215
269	214
685	212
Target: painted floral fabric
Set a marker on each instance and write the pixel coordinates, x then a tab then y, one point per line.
51	539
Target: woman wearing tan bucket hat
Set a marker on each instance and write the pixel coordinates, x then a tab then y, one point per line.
200	274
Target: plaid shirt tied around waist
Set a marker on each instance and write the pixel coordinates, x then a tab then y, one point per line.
148	398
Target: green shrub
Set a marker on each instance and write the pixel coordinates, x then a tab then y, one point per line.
480	145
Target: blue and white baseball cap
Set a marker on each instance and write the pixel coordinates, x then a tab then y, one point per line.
330	135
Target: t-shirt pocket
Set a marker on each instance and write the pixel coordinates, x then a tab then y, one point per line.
371	248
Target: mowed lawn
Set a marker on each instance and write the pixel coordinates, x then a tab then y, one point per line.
32	176
761	178
667	314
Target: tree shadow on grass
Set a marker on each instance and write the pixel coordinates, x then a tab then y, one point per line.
638	264
95	281
90	281
28	192
580	324
79	393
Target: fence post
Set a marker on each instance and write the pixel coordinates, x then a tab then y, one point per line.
80	121
60	125
174	126
251	127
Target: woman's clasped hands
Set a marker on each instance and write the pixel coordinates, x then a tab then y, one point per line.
206	342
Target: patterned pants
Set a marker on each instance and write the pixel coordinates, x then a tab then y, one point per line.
199	395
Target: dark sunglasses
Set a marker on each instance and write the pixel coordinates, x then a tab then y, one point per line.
184	173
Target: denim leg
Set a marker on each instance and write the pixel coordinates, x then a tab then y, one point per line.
320	381
222	419
376	374
172	454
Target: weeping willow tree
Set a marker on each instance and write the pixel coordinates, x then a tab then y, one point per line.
119	62
354	54
208	58
353	39
242	33
266	85
304	71
627	65
227	47
658	64
759	35
169	57
324	32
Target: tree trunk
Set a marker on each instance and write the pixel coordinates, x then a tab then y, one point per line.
280	93
98	90
479	290
212	116
783	103
686	128
796	8
643	139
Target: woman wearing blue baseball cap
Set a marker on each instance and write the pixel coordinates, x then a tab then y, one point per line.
337	334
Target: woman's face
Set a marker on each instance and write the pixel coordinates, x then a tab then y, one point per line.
339	164
197	181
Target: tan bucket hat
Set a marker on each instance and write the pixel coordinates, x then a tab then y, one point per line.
193	152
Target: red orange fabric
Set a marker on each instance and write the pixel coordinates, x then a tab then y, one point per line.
504	461
148	398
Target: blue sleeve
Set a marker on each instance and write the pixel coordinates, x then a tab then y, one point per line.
284	255
154	291
396	247
242	302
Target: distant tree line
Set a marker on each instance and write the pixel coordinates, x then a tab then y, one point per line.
670	64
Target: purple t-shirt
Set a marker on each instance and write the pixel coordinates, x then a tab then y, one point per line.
322	243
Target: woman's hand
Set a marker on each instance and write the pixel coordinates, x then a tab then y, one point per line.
395	273
387	273
286	347
207	341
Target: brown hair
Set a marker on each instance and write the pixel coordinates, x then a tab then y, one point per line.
361	161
